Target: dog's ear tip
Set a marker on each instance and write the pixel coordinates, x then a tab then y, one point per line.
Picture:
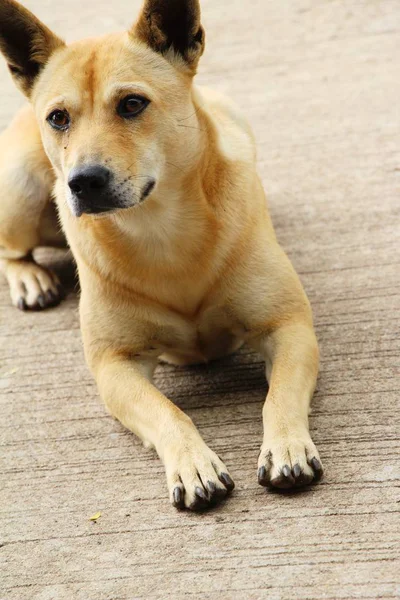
25	42
172	26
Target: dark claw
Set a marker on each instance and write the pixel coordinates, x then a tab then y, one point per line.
51	297
318	470
201	500
211	487
212	490
296	471
263	476
178	497
301	477
216	493
21	304
227	481
285	479
200	493
41	301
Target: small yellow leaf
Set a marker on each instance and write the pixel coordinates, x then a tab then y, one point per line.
95	516
11	372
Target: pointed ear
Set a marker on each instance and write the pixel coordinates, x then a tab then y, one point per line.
172	25
25	42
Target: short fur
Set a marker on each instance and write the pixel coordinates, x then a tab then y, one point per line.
186	274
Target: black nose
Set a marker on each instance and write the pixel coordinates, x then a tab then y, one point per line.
89	182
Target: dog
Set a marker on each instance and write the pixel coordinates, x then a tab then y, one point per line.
159	199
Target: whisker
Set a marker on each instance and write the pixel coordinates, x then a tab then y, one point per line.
176	166
136	176
191	127
192	115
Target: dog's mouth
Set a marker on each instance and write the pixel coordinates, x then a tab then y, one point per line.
148	188
108	200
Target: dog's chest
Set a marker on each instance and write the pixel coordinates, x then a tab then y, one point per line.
212	334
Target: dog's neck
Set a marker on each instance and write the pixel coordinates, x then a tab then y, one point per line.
177	217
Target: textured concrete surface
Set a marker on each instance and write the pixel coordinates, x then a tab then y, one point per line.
320	83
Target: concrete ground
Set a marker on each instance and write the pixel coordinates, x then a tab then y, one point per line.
319	82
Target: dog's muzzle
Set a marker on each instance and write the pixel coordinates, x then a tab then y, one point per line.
92	191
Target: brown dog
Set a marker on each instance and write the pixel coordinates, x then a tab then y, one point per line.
157	190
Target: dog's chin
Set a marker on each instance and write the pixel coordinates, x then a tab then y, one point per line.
78	209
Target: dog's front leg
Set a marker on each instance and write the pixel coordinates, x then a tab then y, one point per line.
288	455
196	476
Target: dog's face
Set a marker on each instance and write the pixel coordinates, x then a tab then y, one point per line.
109	113
110	110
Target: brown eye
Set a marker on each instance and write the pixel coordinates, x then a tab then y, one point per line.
131	106
59	119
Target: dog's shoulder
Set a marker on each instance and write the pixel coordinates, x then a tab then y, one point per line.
234	134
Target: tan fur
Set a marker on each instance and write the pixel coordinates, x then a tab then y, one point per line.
189	274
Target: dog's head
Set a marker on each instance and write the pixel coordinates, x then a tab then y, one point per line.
111	110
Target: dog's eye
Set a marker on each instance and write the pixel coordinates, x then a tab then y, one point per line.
59	119
131	106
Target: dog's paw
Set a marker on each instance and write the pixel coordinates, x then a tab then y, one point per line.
32	287
197	478
288	462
